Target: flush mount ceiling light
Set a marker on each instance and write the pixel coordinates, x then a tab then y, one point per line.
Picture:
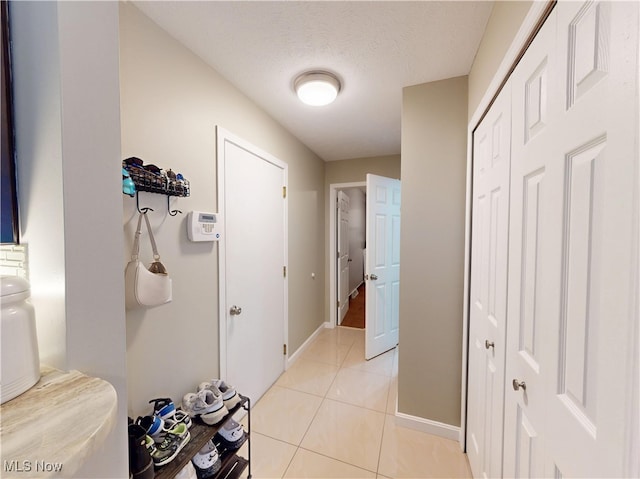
317	88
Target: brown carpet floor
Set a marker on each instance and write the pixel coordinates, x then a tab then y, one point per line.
355	316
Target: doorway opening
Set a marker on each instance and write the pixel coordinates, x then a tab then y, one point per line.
381	260
347	247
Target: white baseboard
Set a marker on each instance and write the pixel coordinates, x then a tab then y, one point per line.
436	428
356	288
294	357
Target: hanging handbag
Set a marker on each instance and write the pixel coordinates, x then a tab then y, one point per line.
146	287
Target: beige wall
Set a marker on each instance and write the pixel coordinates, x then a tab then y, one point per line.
504	22
434	119
171	103
351	171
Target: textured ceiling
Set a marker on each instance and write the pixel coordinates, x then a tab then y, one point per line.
375	48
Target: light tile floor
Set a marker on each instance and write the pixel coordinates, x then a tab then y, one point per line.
331	415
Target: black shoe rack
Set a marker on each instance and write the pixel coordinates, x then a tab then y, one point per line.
232	464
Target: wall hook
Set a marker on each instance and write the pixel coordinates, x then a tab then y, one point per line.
170	211
143	210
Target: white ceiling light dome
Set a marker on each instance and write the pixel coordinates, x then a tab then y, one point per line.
317	88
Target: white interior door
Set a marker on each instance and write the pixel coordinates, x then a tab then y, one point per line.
253	256
571	245
343	255
382	270
488	305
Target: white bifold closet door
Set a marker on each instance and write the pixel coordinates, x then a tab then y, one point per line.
568	370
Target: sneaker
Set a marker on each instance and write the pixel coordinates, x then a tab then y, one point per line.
231	434
206	405
153	425
181	416
166	410
229	395
207	462
174	440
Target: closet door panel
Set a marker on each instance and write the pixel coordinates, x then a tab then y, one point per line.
571	226
492	144
534	247
588	397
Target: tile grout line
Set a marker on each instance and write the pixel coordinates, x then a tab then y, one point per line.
286	469
275	439
384	426
324	398
337	460
358	405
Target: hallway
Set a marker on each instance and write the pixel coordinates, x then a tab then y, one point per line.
331	415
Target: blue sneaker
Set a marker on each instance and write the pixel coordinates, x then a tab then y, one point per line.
167	411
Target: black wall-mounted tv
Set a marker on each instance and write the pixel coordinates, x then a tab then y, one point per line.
9	213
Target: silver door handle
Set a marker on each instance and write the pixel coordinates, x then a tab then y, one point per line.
373	277
488	344
518	384
235	310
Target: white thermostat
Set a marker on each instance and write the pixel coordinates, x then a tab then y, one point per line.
203	226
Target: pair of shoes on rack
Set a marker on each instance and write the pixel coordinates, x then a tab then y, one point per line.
205	405
164	433
229	395
212	402
167	411
165	417
161	443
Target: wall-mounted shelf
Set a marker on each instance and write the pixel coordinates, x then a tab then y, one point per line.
151	179
157	183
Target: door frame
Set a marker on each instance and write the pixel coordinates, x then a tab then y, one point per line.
333	249
530	25
223	136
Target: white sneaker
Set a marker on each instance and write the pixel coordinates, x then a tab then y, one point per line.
231	434
206	405
207	461
229	395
